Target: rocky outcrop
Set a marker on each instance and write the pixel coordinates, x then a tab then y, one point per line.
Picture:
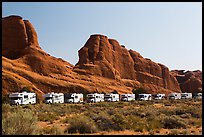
17	34
107	58
189	81
104	66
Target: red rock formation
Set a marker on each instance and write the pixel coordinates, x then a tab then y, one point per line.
106	57
25	64
189	81
22	33
104	65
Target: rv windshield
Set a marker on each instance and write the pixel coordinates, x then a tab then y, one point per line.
69	96
183	95
157	95
172	96
47	98
90	97
141	96
15	98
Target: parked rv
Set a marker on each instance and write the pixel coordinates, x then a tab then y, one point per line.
52	97
186	95
158	96
95	97
197	95
111	97
127	97
175	96
22	98
145	96
73	97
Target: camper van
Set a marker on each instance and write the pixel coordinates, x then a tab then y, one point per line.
95	97
52	97
127	97
111	97
175	96
22	98
158	96
145	96
73	98
186	95
197	95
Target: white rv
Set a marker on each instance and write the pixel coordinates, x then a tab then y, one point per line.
111	97
127	97
22	98
52	97
175	96
73	98
145	96
197	95
158	96
95	97
186	95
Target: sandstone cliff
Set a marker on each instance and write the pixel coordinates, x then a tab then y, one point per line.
104	65
189	81
107	58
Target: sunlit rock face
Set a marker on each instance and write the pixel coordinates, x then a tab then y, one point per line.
189	81
105	57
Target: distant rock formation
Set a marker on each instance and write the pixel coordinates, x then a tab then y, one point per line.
104	66
107	58
17	34
189	81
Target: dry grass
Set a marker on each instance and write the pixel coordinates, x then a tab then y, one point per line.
137	117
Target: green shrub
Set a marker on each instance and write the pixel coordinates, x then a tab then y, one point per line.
119	122
103	121
54	130
20	122
153	124
81	124
6	108
5	99
47	116
173	121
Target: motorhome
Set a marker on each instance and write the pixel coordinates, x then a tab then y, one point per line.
52	97
186	95
22	98
95	97
197	95
111	97
158	96
174	96
145	96
127	97
73	98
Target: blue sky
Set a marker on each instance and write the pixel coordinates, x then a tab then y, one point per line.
168	33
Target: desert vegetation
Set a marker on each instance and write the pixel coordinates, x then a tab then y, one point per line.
170	117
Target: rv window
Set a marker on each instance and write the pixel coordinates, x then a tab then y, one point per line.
76	96
47	98
15	98
25	96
